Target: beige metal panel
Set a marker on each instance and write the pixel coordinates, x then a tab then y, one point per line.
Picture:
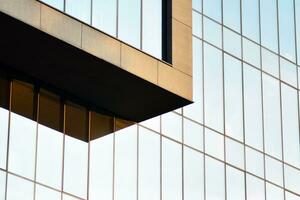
60	26
182	11
101	45
139	63
182	47
175	81
27	11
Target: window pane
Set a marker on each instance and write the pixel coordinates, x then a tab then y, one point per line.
253	107
231	14
58	4
233	98
49	162
292	179
212	32
274	171
197	5
105	15
79	9
2	184
235	184
270	62
288	72
149	165
273	192
290	125
250	15
290	196
153	123
101	168
212	8
287	29
152	28
193	175
232	42
213	88
171	125
3	136
126	163
18	188
193	134
195	110
22	146
254	162
67	197
197	26
75	167
251	53
43	193
129	21
214	144
297	8
268	14
255	188
234	153
272	118
214	179
171	170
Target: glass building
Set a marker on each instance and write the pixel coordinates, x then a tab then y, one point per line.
238	140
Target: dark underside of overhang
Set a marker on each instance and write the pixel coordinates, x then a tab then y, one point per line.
30	54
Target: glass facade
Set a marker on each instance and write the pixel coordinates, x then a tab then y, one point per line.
136	22
239	140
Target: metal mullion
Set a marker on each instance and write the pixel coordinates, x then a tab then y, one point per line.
63	153
36	141
89	153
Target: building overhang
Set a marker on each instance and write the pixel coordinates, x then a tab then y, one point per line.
31	53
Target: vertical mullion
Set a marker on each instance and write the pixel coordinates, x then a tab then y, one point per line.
141	24
36	140
63	156
89	153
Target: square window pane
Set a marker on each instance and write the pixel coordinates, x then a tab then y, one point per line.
18	188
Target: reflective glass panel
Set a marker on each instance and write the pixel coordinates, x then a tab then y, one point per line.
212	32
273	192
171	170
214	179
290	196
251	53
234	153
197	5
213	88
152	28
254	162
43	193
79	9
212	8
287	29
49	162
274	171
193	134
268	15
272	118
105	15
253	107
101	168
75	167
233	98
290	125
193	175
231	14
214	144
270	62
197	24
255	188
171	125
292	179
288	72
3	136
149	165
250	19
232	42
18	188
58	4
129	21
235	181
2	184
22	146
126	163
153	123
